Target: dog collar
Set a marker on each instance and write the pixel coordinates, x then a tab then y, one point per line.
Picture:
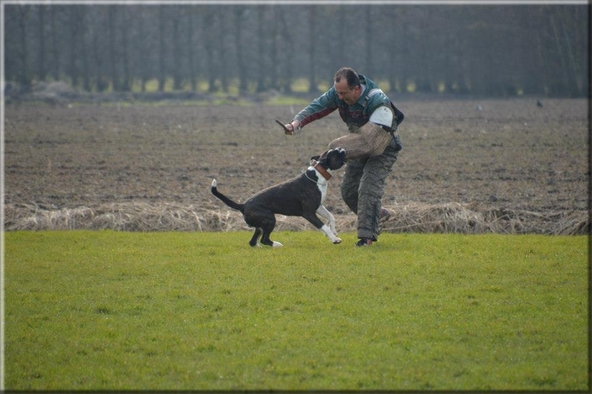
321	170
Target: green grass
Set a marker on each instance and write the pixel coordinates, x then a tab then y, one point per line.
106	310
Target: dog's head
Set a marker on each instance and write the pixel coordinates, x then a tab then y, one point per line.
332	159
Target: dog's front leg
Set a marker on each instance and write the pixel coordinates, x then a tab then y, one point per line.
323	212
312	218
334	238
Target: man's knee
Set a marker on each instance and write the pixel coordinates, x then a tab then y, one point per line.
371	194
349	194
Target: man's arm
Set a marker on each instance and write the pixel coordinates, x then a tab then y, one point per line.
380	110
317	109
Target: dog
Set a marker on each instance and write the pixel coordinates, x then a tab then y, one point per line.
300	196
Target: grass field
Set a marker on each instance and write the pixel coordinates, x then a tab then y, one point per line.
97	310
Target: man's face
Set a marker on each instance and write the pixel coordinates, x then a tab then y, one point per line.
350	96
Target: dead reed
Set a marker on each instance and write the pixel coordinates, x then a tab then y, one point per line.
410	218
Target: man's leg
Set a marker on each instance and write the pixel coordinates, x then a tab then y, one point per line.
371	189
351	183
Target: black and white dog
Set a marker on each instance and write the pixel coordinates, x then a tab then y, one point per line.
299	196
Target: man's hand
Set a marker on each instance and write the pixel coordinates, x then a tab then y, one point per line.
289	128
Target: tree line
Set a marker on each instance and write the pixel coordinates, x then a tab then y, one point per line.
486	50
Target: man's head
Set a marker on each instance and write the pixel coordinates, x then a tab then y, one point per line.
347	85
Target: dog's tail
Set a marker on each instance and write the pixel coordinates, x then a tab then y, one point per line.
224	199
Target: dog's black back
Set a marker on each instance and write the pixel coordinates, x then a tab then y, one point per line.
290	198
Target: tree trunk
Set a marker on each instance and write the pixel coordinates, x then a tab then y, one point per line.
240	61
75	13
112	50
208	24
142	55
564	69
577	85
24	76
223	54
368	45
55	53
85	50
260	49
273	72
161	48
178	61
289	51
191	52
312	20
126	83
42	46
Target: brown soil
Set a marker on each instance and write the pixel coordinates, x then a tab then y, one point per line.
510	156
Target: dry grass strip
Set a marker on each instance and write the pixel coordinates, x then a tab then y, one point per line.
411	218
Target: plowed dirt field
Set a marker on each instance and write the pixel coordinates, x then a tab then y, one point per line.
74	165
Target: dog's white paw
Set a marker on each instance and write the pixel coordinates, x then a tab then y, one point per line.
277	244
337	241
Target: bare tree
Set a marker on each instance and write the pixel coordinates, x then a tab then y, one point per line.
288	48
189	44
143	52
223	49
483	50
312	27
125	27
85	49
55	52
261	49
241	66
113	69
275	42
209	20
42	72
177	70
161	47
370	41
24	77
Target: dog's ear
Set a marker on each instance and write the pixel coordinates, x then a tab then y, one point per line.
314	158
324	154
337	158
339	151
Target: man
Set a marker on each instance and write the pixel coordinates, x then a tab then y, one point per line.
357	98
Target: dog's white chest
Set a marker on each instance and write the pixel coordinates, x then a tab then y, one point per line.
323	189
321	184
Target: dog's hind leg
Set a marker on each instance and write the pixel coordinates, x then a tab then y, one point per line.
255	238
267	223
266	233
271	243
266	241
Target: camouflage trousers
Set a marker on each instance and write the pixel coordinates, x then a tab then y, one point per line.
363	186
